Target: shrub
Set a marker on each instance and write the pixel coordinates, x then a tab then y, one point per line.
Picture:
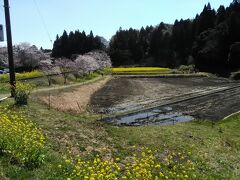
20	139
187	69
105	71
22	92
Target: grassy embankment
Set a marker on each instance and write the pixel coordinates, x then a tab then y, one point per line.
215	151
38	80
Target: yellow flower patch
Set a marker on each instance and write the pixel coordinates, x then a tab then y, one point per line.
139	69
144	166
24	75
21	139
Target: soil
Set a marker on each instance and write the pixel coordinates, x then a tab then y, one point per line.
146	101
213	107
123	95
77	99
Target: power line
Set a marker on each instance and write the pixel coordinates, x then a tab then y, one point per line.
42	19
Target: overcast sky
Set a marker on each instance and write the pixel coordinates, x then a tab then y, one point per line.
33	20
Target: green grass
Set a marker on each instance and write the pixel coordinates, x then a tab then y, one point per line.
56	80
88	77
4	88
215	150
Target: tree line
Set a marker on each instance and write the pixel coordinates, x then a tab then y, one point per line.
210	41
75	43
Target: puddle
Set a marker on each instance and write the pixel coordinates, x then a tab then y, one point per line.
156	116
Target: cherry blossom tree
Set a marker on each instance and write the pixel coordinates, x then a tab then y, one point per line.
66	66
48	69
92	61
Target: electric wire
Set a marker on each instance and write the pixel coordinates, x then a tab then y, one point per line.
42	19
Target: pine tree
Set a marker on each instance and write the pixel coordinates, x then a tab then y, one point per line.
56	47
221	15
75	43
206	19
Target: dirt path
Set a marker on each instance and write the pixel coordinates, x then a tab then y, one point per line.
61	87
74	100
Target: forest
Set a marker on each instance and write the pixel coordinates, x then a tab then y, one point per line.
210	41
75	43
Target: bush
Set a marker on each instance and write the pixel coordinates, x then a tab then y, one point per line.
235	75
20	139
107	71
187	68
22	92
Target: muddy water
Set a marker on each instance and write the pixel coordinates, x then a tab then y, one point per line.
156	116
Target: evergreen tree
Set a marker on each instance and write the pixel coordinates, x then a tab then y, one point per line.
205	40
65	48
56	47
221	15
234	22
75	43
206	19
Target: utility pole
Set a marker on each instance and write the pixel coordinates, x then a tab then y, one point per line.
10	49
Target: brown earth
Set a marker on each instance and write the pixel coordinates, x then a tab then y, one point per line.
125	94
74	100
122	95
199	97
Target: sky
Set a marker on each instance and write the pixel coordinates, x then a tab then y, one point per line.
39	21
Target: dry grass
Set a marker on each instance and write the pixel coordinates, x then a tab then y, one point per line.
74	100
